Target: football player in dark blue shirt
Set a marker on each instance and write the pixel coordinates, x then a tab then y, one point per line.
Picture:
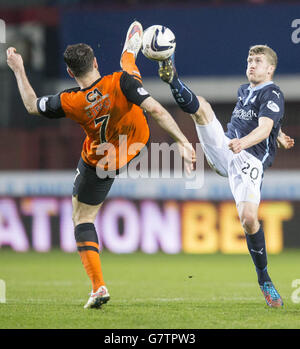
246	149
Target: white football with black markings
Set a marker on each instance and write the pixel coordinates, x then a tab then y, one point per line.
159	43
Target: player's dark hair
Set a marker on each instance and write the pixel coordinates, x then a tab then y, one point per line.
79	58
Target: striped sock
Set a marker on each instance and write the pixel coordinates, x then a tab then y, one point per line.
88	248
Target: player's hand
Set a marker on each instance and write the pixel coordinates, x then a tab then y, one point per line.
14	60
235	145
188	154
284	141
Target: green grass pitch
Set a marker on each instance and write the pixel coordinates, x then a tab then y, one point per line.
159	291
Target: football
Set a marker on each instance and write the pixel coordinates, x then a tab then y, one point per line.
158	43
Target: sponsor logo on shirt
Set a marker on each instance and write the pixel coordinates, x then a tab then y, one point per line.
243	114
273	106
142	91
43	102
276	93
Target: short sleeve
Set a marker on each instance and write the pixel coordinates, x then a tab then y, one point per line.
50	106
272	105
133	89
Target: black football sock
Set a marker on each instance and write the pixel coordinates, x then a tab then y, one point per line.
257	248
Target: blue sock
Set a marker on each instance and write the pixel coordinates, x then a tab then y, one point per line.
184	97
257	248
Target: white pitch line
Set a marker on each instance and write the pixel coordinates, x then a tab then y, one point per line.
135	300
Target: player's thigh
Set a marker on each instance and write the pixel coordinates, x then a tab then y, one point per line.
215	145
245	173
89	192
205	113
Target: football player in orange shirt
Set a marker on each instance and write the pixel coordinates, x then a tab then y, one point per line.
105	107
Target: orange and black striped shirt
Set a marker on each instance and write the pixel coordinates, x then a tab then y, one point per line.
109	112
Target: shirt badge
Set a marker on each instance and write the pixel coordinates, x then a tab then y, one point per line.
273	106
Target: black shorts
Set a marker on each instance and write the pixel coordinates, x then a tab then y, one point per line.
90	189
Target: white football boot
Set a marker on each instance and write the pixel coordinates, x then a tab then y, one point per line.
134	39
101	296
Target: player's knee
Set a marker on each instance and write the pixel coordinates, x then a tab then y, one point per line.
250	222
204	114
202	100
204	104
80	216
75	217
82	219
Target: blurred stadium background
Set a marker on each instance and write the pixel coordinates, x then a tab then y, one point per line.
38	156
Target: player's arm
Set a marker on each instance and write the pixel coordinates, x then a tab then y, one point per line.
165	121
256	136
135	93
48	106
15	62
270	113
284	141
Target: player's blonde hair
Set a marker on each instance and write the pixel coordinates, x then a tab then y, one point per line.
264	50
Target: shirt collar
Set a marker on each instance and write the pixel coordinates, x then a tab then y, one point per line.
256	88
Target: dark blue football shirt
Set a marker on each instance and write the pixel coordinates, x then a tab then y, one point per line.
265	100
